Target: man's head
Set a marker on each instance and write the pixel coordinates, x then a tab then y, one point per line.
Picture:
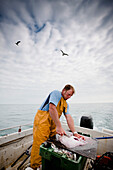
68	91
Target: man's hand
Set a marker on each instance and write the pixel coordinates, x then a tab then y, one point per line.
60	131
79	136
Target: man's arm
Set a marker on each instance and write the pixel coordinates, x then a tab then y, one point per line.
70	123
54	115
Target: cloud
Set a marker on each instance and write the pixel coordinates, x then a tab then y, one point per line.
83	29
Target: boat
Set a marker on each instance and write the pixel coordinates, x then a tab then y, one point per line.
15	147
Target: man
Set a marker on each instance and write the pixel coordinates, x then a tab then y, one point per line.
47	123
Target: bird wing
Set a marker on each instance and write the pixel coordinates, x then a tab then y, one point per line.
66	54
63	53
17	42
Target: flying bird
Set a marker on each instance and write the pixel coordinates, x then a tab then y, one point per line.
17	43
64	53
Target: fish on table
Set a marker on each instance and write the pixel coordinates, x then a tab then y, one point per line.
71	141
87	147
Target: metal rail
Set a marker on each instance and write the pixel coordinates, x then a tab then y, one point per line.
16	126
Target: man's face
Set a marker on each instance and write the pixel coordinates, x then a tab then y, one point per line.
67	94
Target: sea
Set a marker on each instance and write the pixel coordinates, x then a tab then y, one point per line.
16	115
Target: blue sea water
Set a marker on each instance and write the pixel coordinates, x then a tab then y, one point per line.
19	114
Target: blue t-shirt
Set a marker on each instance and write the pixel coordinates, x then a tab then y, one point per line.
54	97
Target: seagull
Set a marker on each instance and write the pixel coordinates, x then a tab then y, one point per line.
17	42
64	53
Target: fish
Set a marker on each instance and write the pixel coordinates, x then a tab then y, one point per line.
67	153
71	141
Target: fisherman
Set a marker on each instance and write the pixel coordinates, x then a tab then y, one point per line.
47	123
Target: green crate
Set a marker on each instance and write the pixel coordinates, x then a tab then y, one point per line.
54	161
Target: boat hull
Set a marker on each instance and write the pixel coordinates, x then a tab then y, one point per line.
14	145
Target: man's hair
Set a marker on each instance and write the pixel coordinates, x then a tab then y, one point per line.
68	87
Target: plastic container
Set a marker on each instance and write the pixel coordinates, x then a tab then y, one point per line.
54	161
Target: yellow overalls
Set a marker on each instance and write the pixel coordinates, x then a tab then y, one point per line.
44	127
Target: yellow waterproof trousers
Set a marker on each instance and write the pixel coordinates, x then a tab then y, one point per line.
43	128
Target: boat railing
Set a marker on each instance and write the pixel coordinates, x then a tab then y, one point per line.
17	128
107	131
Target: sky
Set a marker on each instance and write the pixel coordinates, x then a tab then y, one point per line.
81	28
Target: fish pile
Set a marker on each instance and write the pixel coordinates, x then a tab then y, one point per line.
71	141
67	153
